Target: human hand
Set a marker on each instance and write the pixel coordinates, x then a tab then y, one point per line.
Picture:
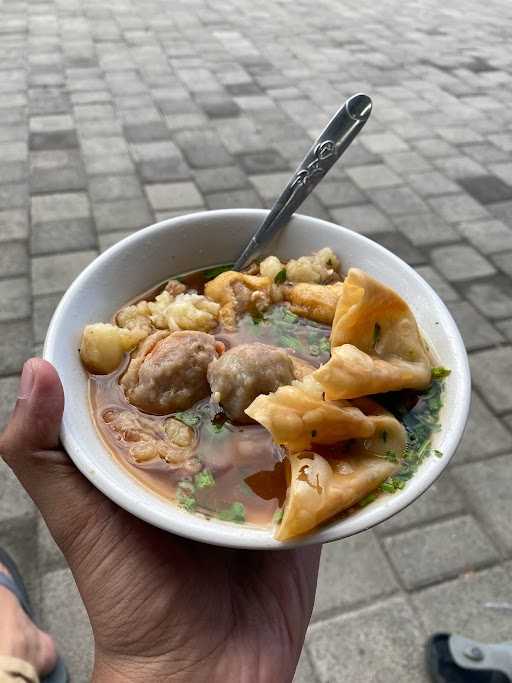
162	608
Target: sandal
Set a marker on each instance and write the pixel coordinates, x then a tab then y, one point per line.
17	587
455	659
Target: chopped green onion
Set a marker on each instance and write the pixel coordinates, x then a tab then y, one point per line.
234	513
280	277
325	345
387	487
367	500
185	496
212	273
391	456
314	350
189	418
440	373
376	334
278	516
291	343
204	480
437	453
289	317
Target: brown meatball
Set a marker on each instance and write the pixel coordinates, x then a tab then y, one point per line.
172	375
246	371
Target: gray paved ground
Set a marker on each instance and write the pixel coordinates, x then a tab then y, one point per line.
113	114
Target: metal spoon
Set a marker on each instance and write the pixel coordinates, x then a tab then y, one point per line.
336	137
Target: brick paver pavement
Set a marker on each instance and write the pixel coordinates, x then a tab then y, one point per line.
115	114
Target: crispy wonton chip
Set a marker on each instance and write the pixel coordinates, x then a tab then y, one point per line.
376	344
322	487
297	416
238	293
316	302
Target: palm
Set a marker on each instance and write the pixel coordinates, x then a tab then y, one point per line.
163	592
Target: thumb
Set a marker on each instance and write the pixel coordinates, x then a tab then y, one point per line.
30	446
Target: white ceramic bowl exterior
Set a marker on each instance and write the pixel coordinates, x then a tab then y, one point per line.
205	239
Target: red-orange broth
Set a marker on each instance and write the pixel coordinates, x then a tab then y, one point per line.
246	466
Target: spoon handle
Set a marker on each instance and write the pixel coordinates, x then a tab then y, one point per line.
334	140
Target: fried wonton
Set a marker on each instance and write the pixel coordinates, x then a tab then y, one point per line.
321	487
238	293
297	416
375	341
316	302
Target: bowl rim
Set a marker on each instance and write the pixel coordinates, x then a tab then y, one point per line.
221	534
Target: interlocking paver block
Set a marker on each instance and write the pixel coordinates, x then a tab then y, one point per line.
13	259
493	299
487	236
475	600
367	571
432	183
439	551
484	436
173	196
54	207
14	299
476	331
15	345
492	375
373	175
345	648
13	225
53	274
460	262
363	218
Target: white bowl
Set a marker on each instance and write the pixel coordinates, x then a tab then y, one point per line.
205	239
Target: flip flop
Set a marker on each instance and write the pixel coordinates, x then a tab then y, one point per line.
17	587
454	659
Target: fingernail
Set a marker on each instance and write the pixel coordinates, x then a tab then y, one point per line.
26	381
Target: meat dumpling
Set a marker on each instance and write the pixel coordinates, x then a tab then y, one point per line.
169	373
298	416
376	343
246	371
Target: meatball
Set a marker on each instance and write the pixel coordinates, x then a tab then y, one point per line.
246	371
172	375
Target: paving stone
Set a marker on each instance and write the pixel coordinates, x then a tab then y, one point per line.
439	284
57	140
493	299
269	185
505	327
460	167
13	225
53	274
13	196
363	218
486	189
488	236
373	175
266	161
484	435
476	600
396	201
457	207
442	499
432	183
504	261
476	331
105	188
171	169
202	149
150	151
44	307
345	648
173	196
487	485
13	151
434	148
365	571
439	551
13	259
14	501
383	143
143	132
233	199
304	672
503	211
425	229
103	146
64	235
400	245
8	393
492	374
107	239
15	345
60	206
17	537
223	178
122	214
407	162
58	180
461	262
502	171
64	615
14	299
13	172
49	556
459	134
218	105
